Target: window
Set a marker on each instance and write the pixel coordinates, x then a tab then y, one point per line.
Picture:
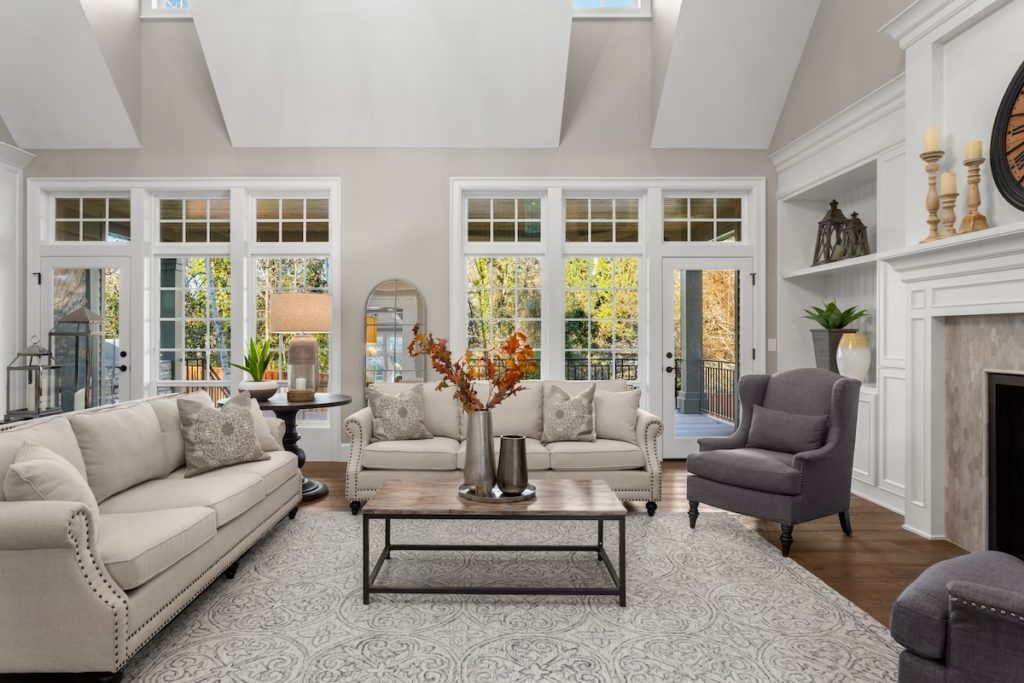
92	219
503	219
303	274
165	9
291	220
503	295
195	324
601	220
608	9
703	219
602	310
195	220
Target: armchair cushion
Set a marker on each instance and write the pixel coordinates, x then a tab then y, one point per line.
775	430
920	617
758	469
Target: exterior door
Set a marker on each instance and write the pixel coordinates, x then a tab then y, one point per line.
96	369
706	346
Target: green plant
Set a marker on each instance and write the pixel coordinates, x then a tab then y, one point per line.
831	317
257	359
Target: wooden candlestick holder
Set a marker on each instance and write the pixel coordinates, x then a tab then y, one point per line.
974	220
931	202
948	204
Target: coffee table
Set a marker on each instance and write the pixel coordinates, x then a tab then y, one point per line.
556	500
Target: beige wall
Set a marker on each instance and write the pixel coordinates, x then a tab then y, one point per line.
845	58
5	135
395	201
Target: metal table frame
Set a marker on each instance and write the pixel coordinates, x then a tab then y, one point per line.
618	577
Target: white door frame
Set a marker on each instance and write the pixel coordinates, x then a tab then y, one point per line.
679	448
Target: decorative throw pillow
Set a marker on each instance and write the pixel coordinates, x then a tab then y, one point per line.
268	442
775	430
398	418
615	414
568	418
218	438
38	473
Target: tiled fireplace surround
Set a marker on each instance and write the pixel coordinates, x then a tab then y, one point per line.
964	316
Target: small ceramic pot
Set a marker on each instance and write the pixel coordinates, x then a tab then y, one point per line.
853	356
260	391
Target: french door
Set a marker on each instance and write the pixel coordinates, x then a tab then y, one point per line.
706	345
100	371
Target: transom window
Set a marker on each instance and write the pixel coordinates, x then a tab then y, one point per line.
165	9
503	219
195	220
611	8
503	295
602	219
92	219
292	220
703	219
602	312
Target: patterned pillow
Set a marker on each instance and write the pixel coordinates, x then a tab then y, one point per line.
568	418
398	418
218	438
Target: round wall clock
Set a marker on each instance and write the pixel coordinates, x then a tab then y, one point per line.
1007	147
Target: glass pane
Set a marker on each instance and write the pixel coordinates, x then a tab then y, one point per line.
94	208
528	273
601	209
68	208
316	209
92	231
529	232
576	232
267	232
675	231
576	304
702	231
504	303
576	209
675	207
503	272
702	208
220	232
627	303
600	232
170	209
120	209
195	210
268	208
626	232
729	231
504	232
532	330
529	209
67	231
291	232
504	209
478	208
170	232
195	232
317	232
627	272
627	209
119	232
529	303
293	208
220	209
577	334
729	208
479	232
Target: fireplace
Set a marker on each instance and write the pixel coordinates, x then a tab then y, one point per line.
1006	463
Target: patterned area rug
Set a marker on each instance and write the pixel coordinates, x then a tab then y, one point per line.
715	604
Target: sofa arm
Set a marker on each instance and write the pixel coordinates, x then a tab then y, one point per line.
359	427
986	633
60	611
648	428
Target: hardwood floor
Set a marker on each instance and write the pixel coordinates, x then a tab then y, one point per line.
870	568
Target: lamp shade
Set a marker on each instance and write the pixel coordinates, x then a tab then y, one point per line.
300	312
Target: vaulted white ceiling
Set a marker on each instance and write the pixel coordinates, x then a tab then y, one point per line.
56	90
388	73
729	71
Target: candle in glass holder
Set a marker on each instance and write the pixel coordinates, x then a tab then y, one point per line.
973	150
931	140
947	183
300	383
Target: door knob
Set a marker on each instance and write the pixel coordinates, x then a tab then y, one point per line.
122	368
670	369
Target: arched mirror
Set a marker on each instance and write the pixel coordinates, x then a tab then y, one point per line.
392	309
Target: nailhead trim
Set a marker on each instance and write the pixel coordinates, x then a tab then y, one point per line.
986	608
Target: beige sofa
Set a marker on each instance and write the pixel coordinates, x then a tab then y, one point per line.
631	468
81	594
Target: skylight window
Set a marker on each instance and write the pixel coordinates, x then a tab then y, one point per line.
165	9
611	9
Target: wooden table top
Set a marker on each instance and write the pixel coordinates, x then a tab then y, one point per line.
555	497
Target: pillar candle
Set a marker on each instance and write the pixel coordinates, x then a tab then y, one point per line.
973	150
931	140
947	183
300	383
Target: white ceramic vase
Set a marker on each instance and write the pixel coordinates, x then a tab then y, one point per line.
853	356
260	391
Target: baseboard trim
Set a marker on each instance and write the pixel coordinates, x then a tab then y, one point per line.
918	532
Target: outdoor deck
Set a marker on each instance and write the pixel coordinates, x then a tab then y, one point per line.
701	425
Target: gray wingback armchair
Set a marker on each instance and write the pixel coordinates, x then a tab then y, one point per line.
790	460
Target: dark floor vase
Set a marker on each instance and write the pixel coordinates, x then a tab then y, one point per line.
826	343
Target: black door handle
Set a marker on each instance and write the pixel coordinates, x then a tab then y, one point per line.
122	368
670	369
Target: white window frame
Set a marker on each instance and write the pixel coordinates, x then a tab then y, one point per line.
650	247
641	11
148	10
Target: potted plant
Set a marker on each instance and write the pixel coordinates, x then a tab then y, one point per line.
834	323
256	362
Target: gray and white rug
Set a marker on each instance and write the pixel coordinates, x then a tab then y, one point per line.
714	604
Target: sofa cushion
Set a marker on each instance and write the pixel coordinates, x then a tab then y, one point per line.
54	433
775	430
920	615
750	468
166	409
537	455
136	546
603	454
400	417
568	418
616	414
519	414
121	447
218	438
442	413
264	436
416	454
38	473
229	493
278	469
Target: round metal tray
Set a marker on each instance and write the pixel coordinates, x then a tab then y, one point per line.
497	496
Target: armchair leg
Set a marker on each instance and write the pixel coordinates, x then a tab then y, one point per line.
355	505
844	521
694	514
786	538
651	507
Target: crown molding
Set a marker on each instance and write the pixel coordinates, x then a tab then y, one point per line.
15	156
924	16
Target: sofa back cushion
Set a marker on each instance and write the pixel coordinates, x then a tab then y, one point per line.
54	433
574	386
121	445
616	414
441	411
38	473
519	414
166	409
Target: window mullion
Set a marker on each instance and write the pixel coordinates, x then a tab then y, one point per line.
553	293
243	302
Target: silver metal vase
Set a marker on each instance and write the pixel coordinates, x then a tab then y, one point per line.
512	474
479	472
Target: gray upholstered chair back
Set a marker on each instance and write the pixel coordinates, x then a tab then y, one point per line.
805	391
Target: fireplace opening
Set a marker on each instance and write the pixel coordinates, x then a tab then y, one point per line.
1006	463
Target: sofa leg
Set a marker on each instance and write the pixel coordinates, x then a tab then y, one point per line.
694	514
651	507
355	505
844	521
231	571
294	511
786	538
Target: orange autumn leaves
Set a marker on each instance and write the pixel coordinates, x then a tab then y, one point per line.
504	368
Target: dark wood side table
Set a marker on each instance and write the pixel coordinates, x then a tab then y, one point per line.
287	411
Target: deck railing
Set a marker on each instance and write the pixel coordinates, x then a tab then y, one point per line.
718	387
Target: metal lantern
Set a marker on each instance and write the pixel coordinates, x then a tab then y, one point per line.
33	384
77	343
828	246
854	238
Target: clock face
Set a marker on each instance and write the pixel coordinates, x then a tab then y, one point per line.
1008	143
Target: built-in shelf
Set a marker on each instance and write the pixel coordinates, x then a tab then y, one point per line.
855	262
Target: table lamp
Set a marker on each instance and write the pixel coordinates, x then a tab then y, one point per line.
301	313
